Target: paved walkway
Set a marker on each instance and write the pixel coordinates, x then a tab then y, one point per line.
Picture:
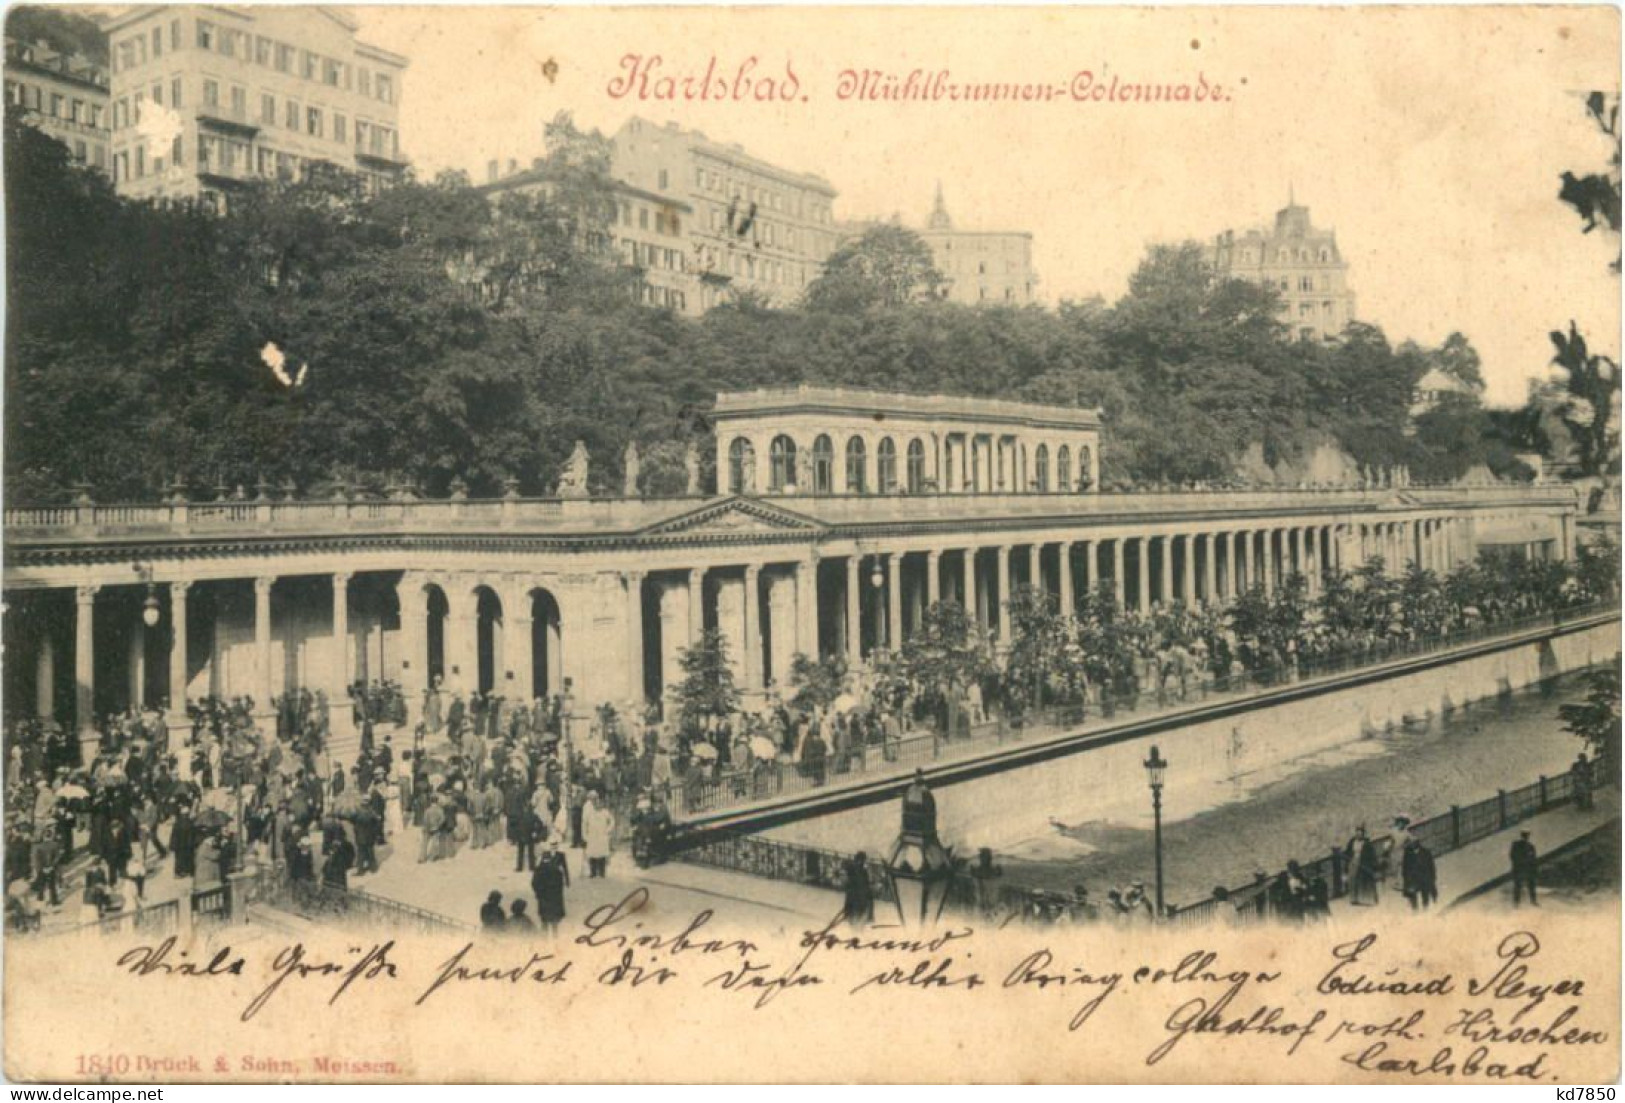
1471	873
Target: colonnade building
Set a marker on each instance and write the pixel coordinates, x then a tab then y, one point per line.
119	606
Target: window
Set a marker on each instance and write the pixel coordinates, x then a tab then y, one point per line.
1041	467
79	151
1306	283
56	105
1086	468
663	180
175	92
268	109
228	43
782	463
175	149
330	72
823	465
307	65
284	58
856	464
313	122
211	93
338	128
205	35
386	88
263	48
96	117
239	103
290	116
174	34
364	80
157	42
886	466
643	218
1063	469
741	466
916	466
361	134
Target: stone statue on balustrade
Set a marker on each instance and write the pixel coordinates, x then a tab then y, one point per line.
573	483
633	466
691	465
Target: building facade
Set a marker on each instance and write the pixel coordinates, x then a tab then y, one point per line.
206	98
121	606
831	440
66	96
1299	260
754	227
647	235
982	267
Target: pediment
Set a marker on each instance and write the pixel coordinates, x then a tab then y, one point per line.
735	516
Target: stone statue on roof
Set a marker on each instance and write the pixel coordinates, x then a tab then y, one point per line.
573	482
691	465
633	466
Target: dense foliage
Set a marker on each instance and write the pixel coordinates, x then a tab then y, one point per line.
429	334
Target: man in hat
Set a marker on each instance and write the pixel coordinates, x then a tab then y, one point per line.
1525	866
548	883
491	915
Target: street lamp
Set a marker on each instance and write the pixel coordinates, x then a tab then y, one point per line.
149	608
1155	767
877	577
920	870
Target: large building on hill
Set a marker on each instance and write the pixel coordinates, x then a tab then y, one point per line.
206	98
63	95
979	267
1298	259
755	226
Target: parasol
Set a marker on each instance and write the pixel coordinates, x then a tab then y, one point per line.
73	792
212	818
844	703
704	751
763	747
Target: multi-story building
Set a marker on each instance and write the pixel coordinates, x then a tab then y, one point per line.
754	226
1300	261
207	98
981	266
647	235
66	96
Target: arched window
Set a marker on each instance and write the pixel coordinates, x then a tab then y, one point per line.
1063	469
1041	467
857	476
916	467
741	465
886	466
1086	469
782	458
823	464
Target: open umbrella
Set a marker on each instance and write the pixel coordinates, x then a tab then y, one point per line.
73	792
763	747
704	751
212	818
845	703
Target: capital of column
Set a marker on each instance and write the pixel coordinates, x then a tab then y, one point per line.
262	586
341	579
85	595
178	589
634	578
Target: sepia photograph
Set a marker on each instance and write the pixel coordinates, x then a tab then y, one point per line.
812	545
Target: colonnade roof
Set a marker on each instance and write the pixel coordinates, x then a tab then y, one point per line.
858	402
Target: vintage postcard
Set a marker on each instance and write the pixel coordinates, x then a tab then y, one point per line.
808	544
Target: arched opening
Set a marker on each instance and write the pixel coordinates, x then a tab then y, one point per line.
488	640
741	465
1063	469
916	467
823	465
1041	467
886	465
857	463
438	608
782	456
546	650
1086	469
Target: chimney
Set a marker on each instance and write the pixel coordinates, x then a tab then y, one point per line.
490	172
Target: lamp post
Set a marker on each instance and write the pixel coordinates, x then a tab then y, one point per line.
1155	767
149	608
920	871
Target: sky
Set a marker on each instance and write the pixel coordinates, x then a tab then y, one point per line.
1430	139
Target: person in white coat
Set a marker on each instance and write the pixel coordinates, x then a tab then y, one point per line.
597	824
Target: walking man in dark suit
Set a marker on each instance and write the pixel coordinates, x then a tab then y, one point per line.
1525	863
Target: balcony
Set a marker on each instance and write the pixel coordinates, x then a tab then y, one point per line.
227	119
381	161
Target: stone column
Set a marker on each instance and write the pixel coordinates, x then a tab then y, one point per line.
807	607
1064	563
1003	551
933	577
1119	583
969	580
136	668
1269	561
45	678
461	638
1189	540
344	653
753	627
1210	569
894	600
414	606
1090	549
854	611
1238	580
177	651
696	605
634	634
1145	571
1035	566
518	647
783	627
262	645
84	669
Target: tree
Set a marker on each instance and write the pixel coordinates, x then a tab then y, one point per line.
885	266
707	690
945	655
818	682
1596	720
1589	403
1040	640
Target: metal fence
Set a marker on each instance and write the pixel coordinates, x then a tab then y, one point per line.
702	790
